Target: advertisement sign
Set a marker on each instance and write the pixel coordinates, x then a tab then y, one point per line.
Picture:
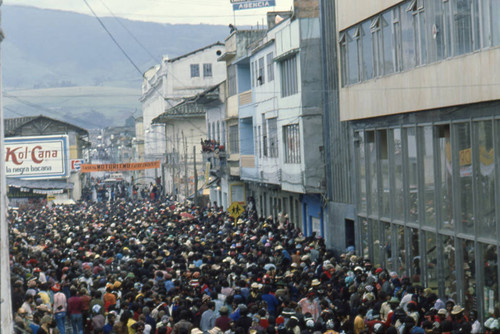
239	5
36	157
89	168
75	164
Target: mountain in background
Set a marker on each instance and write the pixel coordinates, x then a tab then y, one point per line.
64	65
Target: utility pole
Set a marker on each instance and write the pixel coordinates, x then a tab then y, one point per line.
6	325
195	177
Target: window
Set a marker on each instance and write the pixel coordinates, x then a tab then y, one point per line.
270	67
292	143
352	54
272	125
264	137
366	46
462	35
343	58
234	144
261	79
207	70
231	80
416	8
195	70
388	45
377	46
289	80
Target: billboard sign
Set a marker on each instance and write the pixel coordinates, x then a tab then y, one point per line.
239	5
38	157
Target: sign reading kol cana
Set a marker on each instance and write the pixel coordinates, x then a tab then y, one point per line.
36	157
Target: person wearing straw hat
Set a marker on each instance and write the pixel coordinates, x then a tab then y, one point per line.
460	323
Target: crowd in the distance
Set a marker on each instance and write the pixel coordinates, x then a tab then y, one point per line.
140	267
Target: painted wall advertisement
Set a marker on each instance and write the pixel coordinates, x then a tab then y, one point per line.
36	157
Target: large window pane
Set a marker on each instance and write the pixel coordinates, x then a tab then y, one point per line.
490	278
485	24
401	251
383	155
427	143
450	279
352	54
362	172
486	180
469	274
416	262
388	42
372	161
376	241
431	260
436	42
462	35
465	199
495	22
364	238
446	194
388	247
408	36
398	201
411	154
366	37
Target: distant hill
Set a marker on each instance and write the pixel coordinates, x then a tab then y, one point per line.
64	52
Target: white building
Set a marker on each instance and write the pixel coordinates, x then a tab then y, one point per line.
167	84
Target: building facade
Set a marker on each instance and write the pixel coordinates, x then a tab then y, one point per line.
418	88
168	84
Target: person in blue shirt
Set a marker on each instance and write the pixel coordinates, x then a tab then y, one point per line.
271	300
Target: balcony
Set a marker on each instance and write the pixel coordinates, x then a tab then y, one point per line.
214	154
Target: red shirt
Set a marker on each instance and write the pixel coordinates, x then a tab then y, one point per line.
75	305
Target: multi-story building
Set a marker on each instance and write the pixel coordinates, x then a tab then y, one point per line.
280	118
168	84
237	87
418	86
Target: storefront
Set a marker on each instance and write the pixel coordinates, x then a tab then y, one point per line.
428	199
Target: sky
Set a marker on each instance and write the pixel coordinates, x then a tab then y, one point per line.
164	11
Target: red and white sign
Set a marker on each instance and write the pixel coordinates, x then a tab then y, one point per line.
75	164
36	157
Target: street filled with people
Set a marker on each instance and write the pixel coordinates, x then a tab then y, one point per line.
130	266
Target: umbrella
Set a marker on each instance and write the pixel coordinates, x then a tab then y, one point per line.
186	216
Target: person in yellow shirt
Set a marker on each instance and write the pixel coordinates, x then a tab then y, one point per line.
359	321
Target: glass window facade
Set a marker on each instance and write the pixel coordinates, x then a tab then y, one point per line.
415	33
427	199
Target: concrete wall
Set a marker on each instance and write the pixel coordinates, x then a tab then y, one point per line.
465	79
354	11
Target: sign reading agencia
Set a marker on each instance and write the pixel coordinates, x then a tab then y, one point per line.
239	4
38	157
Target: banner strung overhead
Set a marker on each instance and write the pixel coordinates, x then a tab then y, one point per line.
89	168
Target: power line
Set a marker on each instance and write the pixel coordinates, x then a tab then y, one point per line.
113	39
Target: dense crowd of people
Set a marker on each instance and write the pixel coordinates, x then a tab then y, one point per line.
168	267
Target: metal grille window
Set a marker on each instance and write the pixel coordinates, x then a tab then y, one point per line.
195	70
270	67
207	70
261	79
231	80
291	141
272	125
234	144
289	81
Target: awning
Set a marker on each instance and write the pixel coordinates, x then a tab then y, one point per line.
40	185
